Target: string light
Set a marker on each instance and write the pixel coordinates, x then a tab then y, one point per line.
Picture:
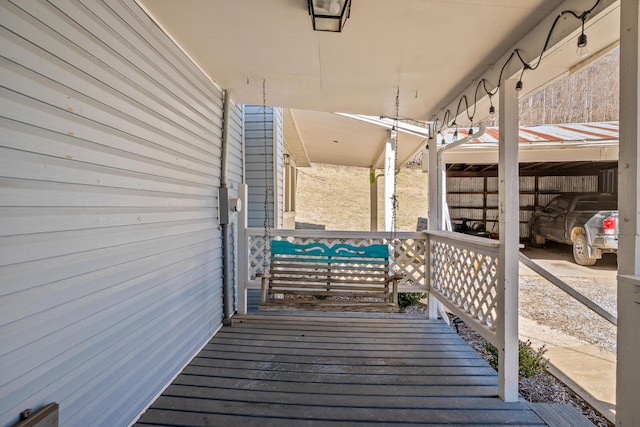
580	50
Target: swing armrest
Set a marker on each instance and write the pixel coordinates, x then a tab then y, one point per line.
264	277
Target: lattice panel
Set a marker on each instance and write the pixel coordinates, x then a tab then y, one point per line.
407	258
468	278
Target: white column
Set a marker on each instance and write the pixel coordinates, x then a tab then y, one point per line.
434	214
373	200
628	362
508	208
444	221
389	181
434	174
243	250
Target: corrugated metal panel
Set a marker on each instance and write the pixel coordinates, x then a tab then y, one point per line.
467	194
492	184
466	200
567	184
465	184
110	262
527	183
597	132
459	214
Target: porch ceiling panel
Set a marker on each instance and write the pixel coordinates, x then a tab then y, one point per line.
430	49
433	51
340	140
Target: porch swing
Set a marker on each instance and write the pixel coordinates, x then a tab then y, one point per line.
316	276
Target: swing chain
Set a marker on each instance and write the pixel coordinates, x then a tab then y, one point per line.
267	218
394	197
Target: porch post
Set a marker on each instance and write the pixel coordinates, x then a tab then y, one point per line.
434	213
389	181
434	194
628	368
508	208
243	249
373	200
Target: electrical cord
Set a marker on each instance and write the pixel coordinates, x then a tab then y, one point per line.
525	66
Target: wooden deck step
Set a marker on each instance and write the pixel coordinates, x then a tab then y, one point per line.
560	415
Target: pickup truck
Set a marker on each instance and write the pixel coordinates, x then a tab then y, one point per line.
587	221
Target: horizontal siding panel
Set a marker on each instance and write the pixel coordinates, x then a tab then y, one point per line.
43	193
106	346
110	252
59	273
29	247
21	220
31	166
120	154
103	64
44	113
66	322
193	93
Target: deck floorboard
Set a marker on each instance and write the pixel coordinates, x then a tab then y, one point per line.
269	370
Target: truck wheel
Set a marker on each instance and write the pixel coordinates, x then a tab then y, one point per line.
581	251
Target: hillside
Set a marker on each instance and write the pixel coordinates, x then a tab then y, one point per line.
337	197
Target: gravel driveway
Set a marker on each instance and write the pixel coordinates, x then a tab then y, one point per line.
546	304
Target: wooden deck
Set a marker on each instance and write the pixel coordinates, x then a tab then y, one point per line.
313	370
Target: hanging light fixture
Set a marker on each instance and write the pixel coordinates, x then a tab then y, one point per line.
329	15
581	49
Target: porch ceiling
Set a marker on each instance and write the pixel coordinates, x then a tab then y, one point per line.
432	50
349	141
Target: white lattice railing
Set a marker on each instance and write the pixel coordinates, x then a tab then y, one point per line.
462	269
464	277
408	257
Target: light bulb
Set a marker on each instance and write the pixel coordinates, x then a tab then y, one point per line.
492	113
334	8
582	50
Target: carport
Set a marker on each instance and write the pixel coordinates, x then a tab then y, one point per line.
553	159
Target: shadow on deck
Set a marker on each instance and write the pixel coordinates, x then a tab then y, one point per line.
316	370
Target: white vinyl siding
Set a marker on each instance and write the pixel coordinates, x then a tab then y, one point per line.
110	253
260	164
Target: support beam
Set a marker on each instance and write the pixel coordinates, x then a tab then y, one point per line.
373	200
508	208
628	367
389	181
